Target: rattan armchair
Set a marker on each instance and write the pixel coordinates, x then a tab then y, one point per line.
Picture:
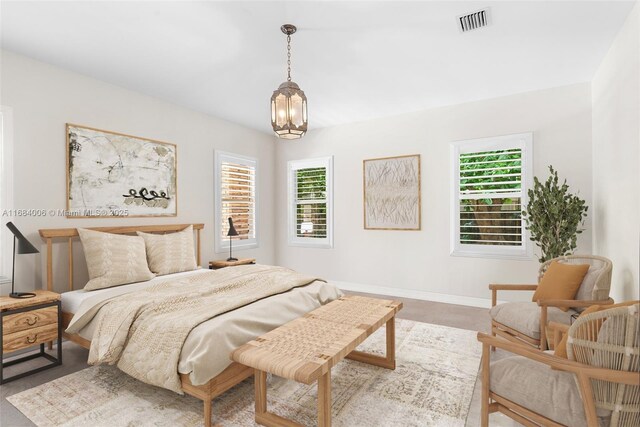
598	386
525	322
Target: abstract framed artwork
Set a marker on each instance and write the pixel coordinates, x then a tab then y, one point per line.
117	175
391	188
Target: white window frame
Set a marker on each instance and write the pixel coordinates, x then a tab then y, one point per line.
524	141
221	244
292	167
6	192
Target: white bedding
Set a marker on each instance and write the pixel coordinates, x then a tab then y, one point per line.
206	350
71	300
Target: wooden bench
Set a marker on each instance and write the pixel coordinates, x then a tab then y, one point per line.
307	348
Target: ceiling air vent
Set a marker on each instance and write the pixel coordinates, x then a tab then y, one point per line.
474	20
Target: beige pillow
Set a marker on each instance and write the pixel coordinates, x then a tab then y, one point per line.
170	253
113	259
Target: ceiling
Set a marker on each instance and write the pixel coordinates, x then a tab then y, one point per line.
354	60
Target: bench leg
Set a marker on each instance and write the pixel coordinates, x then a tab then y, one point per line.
389	361
263	416
324	400
261	392
391	341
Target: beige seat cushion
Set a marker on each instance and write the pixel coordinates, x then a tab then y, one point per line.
170	253
524	317
535	386
113	259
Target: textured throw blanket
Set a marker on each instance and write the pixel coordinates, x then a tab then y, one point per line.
144	331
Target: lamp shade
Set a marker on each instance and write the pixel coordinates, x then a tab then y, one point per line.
289	111
232	230
23	246
288	102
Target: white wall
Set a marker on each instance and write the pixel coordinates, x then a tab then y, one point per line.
560	119
616	158
44	98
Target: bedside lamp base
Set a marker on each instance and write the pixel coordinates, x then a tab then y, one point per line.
232	259
22	295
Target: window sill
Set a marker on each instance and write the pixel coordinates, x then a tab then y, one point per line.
222	249
507	256
311	245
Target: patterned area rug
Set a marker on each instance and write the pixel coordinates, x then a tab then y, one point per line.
432	385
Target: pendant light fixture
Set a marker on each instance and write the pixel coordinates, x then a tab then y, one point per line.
288	102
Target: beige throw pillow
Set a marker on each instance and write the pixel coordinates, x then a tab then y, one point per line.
170	253
113	259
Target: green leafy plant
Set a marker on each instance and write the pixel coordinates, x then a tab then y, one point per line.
554	216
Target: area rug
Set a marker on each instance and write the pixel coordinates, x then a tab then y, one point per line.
432	385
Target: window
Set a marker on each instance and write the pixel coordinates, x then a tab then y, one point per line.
490	179
311	202
6	193
235	198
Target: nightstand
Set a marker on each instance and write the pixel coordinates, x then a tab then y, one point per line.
26	323
214	265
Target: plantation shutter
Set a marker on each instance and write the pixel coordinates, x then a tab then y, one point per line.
237	197
311	202
490	193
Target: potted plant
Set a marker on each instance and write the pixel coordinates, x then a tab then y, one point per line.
554	217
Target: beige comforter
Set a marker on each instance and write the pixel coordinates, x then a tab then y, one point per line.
144	331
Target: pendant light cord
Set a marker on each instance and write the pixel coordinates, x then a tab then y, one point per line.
288	57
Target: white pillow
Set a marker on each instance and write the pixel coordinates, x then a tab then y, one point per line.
114	259
170	253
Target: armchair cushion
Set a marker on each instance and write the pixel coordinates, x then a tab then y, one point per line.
524	317
561	281
535	386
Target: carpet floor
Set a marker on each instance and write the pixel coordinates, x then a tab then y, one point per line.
437	368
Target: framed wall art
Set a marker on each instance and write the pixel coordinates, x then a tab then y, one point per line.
392	193
117	175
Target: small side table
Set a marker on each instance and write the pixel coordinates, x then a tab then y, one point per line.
26	323
214	265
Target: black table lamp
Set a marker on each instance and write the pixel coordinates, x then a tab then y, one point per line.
232	232
20	246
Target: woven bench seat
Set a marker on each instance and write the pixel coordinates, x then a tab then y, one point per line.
307	348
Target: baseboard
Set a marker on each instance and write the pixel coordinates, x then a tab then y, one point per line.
414	294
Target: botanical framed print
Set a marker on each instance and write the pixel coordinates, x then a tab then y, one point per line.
392	193
117	175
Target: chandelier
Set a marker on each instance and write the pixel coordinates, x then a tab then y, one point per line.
288	102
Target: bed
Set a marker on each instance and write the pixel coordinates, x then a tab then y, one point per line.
205	369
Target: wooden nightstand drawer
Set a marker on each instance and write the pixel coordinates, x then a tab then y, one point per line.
27	323
29	319
29	337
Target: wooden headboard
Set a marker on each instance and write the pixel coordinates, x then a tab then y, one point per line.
49	234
